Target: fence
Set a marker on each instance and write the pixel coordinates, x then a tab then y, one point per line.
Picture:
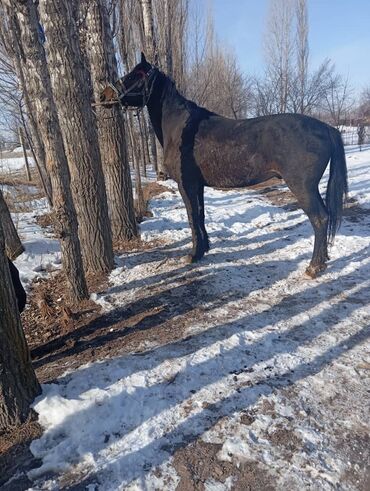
350	135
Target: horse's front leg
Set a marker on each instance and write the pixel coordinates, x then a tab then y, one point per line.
202	218
190	195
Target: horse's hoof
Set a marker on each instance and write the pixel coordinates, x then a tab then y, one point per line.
313	271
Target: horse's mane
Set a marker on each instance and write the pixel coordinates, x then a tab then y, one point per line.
172	91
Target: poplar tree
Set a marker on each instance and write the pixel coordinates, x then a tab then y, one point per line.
70	84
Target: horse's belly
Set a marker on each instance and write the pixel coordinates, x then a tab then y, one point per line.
225	182
235	174
231	164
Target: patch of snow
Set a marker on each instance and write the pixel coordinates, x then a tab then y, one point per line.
213	485
42	252
10	165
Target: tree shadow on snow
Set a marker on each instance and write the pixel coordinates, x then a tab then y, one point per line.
288	307
198	286
183	291
168	395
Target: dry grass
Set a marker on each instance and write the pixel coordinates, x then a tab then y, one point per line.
20	434
150	190
13	155
20	199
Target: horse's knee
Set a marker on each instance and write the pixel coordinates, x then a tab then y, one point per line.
322	219
319	219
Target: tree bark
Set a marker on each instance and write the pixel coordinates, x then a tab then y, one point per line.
25	156
18	382
111	130
140	203
148	21
152	53
168	38
16	56
302	52
144	155
39	89
41	169
70	84
13	244
153	147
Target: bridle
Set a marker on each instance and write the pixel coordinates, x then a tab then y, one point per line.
122	91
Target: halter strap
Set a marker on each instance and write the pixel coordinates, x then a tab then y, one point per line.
121	91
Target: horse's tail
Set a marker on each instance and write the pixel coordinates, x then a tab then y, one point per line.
337	189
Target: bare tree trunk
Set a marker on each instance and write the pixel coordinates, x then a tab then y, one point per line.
146	140
152	53
179	43
145	137
19	65
111	130
161	171
128	11
302	52
140	204
13	244
144	154
279	50
168	38
25	156
39	87
338	99
153	148
148	21
43	175
70	84
18	382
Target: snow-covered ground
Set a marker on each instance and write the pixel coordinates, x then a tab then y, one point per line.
268	365
10	165
42	252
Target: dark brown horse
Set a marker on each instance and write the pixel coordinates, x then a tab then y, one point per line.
202	148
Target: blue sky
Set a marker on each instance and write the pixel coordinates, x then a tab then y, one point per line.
339	30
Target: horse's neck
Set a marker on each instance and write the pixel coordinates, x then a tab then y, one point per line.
164	98
155	115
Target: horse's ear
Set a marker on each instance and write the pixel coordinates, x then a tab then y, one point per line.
143	59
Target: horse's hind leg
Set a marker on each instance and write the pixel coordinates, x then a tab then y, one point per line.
312	204
318	216
190	193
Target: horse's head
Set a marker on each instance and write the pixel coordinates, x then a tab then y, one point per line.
132	90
